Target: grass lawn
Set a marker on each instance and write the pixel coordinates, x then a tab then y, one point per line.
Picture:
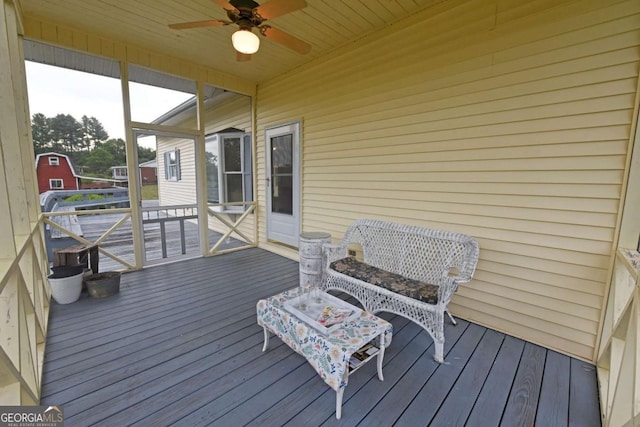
150	192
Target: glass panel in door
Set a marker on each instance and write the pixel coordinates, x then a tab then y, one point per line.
282	174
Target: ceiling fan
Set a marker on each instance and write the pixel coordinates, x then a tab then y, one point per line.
247	14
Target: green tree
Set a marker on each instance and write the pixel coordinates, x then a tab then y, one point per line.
99	162
86	142
41	133
66	132
145	154
93	132
117	148
107	154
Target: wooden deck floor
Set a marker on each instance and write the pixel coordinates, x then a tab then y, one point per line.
180	345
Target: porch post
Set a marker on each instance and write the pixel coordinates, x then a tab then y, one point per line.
132	169
24	290
201	173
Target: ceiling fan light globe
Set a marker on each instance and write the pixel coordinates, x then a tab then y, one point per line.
244	41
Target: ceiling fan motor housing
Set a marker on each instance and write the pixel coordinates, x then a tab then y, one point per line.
245	16
244	4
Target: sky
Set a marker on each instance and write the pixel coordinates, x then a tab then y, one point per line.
54	90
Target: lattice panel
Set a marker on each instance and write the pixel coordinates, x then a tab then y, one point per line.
619	354
24	302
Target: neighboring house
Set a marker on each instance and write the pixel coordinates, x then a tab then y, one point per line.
149	172
119	173
55	172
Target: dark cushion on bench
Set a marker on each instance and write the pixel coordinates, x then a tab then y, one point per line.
415	289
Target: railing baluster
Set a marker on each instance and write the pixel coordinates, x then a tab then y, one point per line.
182	238
163	240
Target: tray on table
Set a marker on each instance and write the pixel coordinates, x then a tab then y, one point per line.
315	308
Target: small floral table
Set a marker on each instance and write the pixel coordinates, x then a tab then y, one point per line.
328	354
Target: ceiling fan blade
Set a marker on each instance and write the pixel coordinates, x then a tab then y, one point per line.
224	4
285	39
275	8
196	24
242	57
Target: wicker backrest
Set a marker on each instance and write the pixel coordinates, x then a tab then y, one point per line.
419	253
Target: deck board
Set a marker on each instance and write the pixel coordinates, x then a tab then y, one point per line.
455	412
523	399
553	409
365	390
406	375
180	345
488	409
431	396
583	406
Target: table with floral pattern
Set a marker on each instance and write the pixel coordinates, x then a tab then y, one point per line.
329	353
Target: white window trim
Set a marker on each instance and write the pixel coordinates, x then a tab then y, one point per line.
172	171
246	166
51	181
54	161
120	173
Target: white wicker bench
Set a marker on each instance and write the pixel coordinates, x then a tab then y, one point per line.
407	270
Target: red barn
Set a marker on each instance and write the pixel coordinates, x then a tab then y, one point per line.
55	172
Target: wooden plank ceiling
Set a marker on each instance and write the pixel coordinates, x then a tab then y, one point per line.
324	24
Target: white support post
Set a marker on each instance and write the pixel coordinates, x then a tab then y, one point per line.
201	173
135	200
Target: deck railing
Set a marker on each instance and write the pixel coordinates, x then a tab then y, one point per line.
49	219
619	352
24	304
163	215
231	220
230	217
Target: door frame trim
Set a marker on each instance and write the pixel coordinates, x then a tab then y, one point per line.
143	131
294	127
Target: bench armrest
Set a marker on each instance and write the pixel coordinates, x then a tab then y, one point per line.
449	285
332	252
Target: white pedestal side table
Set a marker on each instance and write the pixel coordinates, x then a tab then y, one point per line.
310	249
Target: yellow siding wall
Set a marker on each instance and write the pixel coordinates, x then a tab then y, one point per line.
234	111
506	120
184	191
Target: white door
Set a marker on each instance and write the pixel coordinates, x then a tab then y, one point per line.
283	183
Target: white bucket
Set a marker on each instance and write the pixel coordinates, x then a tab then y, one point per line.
66	290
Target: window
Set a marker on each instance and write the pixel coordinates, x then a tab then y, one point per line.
54	161
120	172
56	184
172	165
229	178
